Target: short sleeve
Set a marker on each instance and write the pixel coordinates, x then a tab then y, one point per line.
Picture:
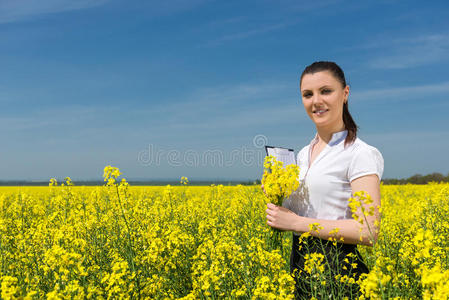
368	160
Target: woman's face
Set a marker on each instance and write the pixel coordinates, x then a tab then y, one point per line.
323	98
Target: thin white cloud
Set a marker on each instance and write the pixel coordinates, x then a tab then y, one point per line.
49	118
205	114
226	21
246	34
220	106
290	9
306	6
402	93
407	52
18	10
239	92
164	8
244	118
230	107
217	98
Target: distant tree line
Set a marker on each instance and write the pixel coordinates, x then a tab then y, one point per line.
131	182
419	179
415	179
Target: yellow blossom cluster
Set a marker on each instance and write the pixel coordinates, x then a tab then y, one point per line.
189	242
110	175
314	263
410	258
128	242
184	180
53	182
279	181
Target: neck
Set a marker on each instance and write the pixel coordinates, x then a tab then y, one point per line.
325	133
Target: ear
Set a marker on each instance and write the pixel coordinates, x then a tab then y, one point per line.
346	93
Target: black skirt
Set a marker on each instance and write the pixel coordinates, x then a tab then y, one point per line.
338	260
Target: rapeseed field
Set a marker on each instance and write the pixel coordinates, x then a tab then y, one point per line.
186	242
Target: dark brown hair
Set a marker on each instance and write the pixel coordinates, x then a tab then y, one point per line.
337	72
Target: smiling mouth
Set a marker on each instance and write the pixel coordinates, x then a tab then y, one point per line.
319	112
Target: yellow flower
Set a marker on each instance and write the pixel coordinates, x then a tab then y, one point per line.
68	181
110	175
315	227
314	263
9	287
279	181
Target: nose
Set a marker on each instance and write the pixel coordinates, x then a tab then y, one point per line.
316	99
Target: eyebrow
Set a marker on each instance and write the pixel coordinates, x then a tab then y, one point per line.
323	87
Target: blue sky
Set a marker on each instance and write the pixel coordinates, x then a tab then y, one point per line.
164	89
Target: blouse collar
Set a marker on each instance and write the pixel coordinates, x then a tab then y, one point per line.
337	137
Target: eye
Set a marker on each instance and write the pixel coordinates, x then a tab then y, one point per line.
326	91
307	94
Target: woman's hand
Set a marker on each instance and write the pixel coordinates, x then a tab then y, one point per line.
280	217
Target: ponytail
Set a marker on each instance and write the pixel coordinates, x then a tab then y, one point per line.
350	125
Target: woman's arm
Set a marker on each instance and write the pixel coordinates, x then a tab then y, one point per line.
350	230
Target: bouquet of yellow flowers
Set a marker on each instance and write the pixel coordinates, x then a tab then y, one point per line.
278	184
279	181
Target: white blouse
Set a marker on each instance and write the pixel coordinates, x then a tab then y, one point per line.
325	187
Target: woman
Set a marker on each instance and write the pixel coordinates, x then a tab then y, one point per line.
333	167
